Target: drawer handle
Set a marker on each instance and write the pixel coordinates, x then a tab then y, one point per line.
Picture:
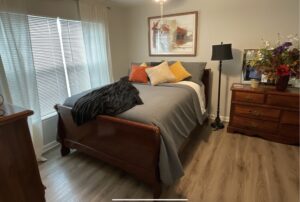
255	113
253	125
248	98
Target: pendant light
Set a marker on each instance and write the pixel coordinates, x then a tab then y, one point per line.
161	2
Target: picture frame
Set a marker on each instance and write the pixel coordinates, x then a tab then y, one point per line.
176	36
248	72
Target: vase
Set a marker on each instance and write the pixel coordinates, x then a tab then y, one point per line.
254	83
282	83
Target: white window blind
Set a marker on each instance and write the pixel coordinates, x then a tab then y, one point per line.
74	53
59	60
48	62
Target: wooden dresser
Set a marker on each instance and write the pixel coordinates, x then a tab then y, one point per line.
19	174
265	112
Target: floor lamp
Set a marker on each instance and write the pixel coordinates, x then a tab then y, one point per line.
220	52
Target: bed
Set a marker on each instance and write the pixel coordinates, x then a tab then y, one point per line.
124	141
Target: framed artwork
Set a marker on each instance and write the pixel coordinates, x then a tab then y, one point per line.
174	35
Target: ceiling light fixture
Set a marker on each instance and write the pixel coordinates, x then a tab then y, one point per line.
161	30
161	2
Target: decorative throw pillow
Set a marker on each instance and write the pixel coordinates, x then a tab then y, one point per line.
143	64
179	71
138	74
160	74
196	69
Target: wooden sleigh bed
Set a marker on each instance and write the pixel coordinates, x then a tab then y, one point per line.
134	147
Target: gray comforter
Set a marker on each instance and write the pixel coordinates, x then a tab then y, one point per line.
175	109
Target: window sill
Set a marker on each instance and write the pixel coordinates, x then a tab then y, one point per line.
48	116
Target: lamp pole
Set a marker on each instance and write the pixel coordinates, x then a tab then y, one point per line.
218	124
220	52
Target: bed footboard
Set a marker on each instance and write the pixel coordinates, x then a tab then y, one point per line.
131	146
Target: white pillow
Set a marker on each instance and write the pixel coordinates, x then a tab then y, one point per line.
160	74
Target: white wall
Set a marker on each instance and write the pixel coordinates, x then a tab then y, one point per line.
242	23
118	33
67	9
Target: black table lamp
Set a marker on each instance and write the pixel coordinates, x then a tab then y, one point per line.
220	52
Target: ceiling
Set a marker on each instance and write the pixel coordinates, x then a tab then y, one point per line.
131	2
139	2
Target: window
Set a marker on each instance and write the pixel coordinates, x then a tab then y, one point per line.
74	54
59	60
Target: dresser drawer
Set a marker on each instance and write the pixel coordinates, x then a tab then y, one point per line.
253	124
291	131
289	117
249	97
257	112
284	101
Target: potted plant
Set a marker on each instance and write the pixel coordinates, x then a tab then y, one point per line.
278	63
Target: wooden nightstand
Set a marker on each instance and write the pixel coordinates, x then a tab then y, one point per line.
265	112
19	174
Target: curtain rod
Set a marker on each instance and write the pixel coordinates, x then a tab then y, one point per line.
107	7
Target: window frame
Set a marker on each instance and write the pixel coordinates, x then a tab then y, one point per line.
65	68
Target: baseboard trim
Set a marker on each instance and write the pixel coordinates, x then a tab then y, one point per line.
223	118
49	146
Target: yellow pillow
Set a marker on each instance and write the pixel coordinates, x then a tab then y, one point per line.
179	71
143	64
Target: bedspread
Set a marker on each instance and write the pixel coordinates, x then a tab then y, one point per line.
176	110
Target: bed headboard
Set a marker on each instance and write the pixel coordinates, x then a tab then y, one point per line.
197	69
206	82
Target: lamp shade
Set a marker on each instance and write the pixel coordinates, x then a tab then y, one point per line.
221	52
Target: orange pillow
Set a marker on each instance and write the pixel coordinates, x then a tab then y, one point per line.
138	74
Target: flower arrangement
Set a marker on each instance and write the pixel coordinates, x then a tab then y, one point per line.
278	61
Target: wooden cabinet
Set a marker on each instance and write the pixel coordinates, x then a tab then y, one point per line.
19	174
265	112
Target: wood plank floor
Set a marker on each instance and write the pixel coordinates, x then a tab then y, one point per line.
219	167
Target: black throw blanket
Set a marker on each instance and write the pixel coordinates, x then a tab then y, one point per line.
112	99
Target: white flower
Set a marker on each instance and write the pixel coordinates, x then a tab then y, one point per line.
278	42
259	53
267	44
292	37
